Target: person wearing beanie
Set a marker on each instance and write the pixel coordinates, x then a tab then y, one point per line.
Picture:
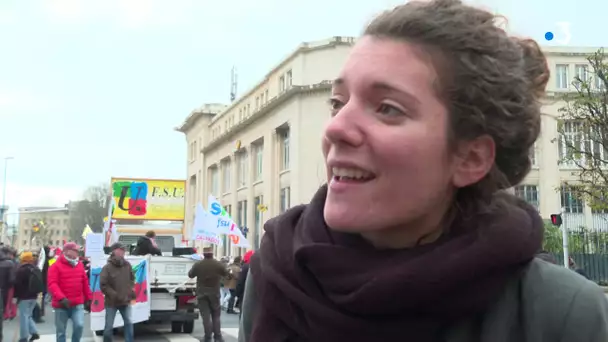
209	273
69	287
117	282
28	285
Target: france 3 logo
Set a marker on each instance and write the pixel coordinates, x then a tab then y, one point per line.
560	36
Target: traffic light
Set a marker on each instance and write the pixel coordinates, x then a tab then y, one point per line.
556	219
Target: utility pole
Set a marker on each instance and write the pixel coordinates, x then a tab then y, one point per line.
556	220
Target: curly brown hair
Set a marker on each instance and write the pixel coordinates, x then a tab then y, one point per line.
490	82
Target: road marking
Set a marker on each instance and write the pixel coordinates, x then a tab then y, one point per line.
168	337
234	332
52	338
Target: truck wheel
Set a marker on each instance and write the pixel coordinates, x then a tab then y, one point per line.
176	327
188	327
99	333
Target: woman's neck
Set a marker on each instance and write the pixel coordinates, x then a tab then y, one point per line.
422	231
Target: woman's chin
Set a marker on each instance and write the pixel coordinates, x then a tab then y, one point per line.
344	222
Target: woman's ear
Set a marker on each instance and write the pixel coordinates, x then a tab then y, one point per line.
474	160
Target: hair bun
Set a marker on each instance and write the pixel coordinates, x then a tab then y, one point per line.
535	66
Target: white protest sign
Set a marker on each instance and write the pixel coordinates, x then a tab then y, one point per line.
94	245
204	227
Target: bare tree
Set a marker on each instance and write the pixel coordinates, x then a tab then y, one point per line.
42	230
583	129
91	210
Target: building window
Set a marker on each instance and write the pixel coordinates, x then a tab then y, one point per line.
242	169
266	98
581	71
258	201
571	202
259	159
226	172
571	141
215	181
239	213
242	214
284	142
281	84
289	79
561	76
193	151
534	154
599	84
528	193
257	102
579	145
285	199
262	99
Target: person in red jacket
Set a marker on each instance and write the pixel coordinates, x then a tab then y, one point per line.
69	288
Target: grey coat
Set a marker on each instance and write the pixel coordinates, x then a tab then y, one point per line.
548	303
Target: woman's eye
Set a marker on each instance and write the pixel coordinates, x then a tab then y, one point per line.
389	110
335	105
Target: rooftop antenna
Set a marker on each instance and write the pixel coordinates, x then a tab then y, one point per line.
233	84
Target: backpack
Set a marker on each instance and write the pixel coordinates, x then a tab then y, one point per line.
34	282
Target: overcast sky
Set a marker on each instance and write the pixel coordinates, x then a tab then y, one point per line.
92	89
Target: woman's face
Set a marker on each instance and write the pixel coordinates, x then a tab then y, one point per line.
386	147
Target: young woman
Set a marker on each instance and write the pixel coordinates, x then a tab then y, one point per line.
414	238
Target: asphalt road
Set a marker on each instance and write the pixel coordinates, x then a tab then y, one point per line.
142	331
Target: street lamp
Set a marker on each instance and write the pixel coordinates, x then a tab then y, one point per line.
6	159
3	209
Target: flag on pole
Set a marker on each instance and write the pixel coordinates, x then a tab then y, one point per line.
204	227
41	258
86	231
237	238
224	221
108	226
225	224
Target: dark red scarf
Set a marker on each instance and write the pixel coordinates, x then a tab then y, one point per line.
314	284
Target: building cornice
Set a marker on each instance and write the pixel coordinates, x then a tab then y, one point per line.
209	109
293	92
303	48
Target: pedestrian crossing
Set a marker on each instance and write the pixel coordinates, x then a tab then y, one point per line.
230	335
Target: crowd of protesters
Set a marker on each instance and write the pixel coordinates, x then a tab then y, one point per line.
29	278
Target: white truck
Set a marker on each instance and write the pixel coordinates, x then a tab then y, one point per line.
172	293
173	296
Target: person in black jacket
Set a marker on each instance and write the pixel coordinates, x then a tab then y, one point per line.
7	279
38	310
28	285
240	286
146	245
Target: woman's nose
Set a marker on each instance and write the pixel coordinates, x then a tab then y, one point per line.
346	126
